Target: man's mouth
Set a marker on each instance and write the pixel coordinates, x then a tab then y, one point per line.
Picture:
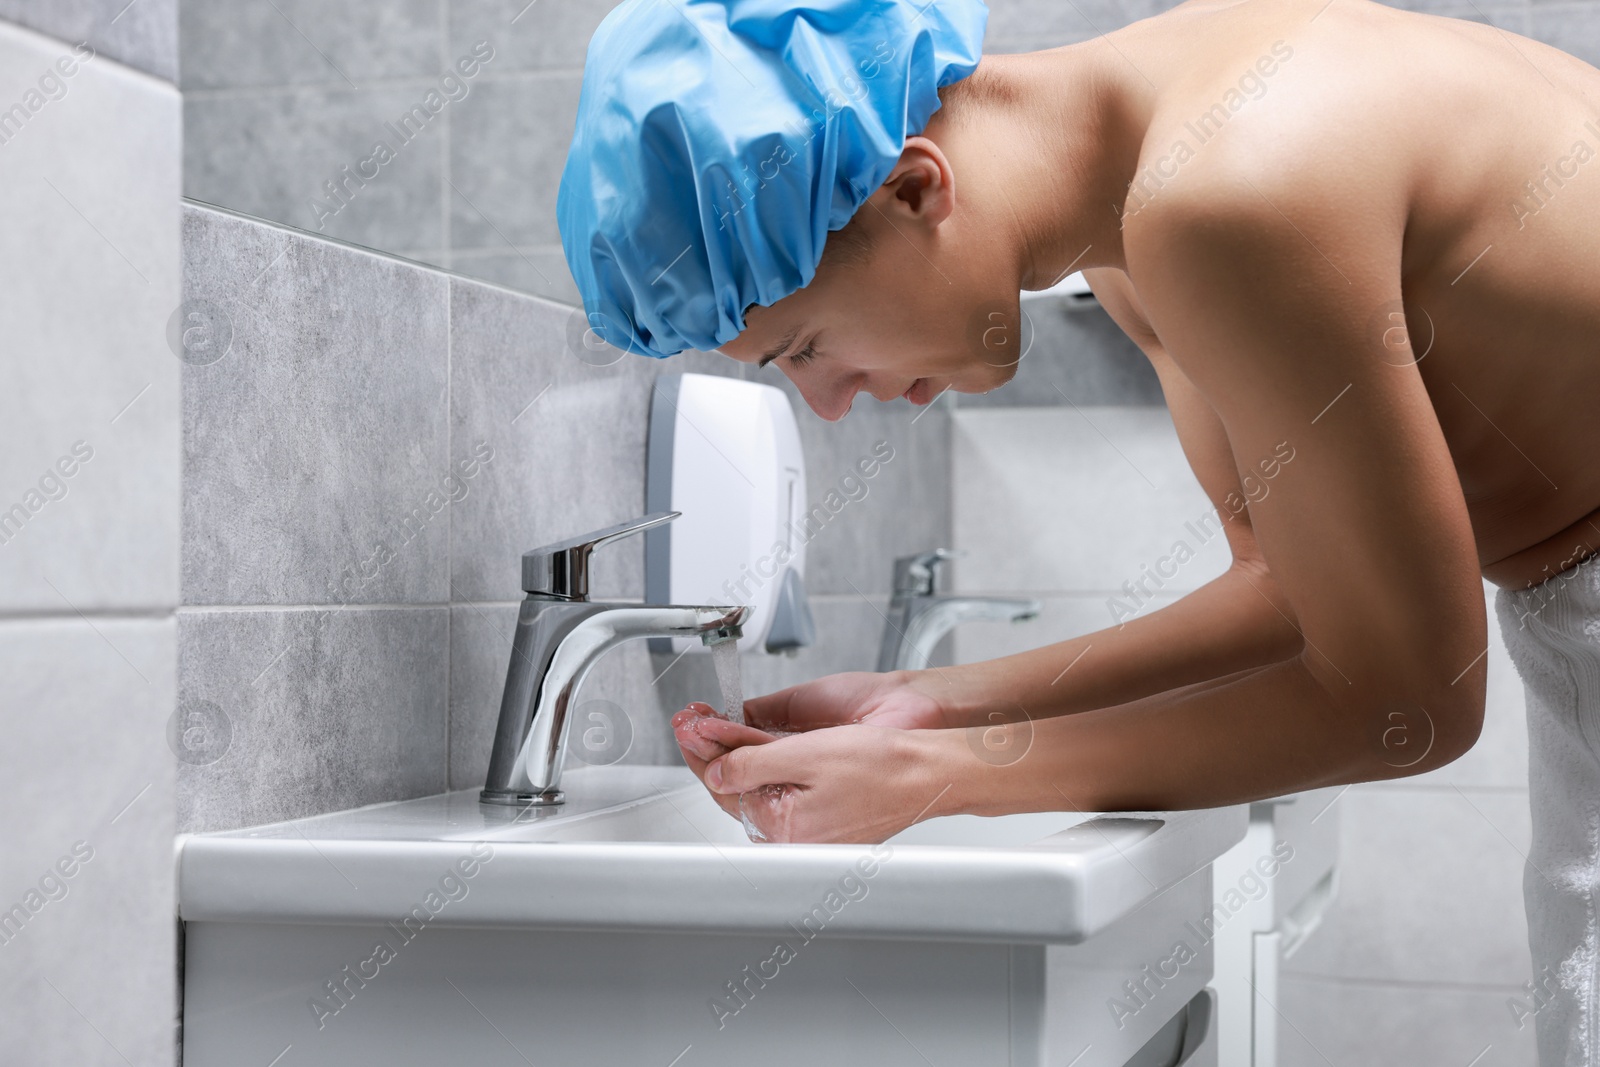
917	392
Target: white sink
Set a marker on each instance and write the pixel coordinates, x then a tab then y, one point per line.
637	923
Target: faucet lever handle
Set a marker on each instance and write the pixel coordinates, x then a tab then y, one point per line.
562	569
917	574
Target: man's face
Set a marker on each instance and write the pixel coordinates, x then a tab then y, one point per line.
923	311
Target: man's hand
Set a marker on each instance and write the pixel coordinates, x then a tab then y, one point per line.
703	736
899	699
854	783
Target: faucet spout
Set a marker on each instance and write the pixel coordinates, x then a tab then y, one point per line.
561	633
556	646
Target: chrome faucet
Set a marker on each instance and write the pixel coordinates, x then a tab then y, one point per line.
919	615
560	635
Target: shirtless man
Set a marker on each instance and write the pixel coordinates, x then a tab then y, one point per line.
1264	196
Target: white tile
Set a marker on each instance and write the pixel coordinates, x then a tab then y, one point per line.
89	267
85	766
1377	1025
1078	500
1430	889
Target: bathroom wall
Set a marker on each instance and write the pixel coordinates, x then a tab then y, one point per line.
368	447
1084	507
142	35
89	168
280	96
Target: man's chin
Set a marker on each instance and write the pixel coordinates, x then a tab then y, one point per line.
992	380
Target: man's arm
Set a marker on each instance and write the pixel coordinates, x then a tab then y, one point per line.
1236	621
1366	533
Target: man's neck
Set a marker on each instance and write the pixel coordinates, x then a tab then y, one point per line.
1049	155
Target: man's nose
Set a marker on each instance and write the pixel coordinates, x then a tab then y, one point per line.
830	399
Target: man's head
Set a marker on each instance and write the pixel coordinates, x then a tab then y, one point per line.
721	149
917	294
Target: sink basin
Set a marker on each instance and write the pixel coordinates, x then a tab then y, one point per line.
636	923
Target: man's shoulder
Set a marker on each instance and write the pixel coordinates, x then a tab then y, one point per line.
1272	191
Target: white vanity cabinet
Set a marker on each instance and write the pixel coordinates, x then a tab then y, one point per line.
637	925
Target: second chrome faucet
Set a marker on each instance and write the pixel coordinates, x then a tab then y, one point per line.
919	615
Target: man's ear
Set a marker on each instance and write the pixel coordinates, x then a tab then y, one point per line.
922	187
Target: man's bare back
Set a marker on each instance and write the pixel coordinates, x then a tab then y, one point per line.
1469	155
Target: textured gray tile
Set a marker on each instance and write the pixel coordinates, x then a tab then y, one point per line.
315	466
84	767
272	154
1512	17
540	271
1573	28
231	43
567	438
1508	16
1430	889
310	711
904	508
142	35
1051	24
621	717
996	46
508	143
549	34
89	267
1065	500
1076	357
1378	1025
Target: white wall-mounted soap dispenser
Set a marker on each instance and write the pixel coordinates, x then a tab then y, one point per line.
726	453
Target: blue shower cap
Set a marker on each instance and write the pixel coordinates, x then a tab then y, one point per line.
719	141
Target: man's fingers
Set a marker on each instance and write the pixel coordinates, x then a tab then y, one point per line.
729	804
771	710
754	766
705	733
731	734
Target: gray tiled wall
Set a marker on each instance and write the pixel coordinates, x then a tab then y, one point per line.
142	34
349	589
280	97
88	544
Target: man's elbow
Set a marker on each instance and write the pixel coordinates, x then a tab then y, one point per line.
1399	719
1419	732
